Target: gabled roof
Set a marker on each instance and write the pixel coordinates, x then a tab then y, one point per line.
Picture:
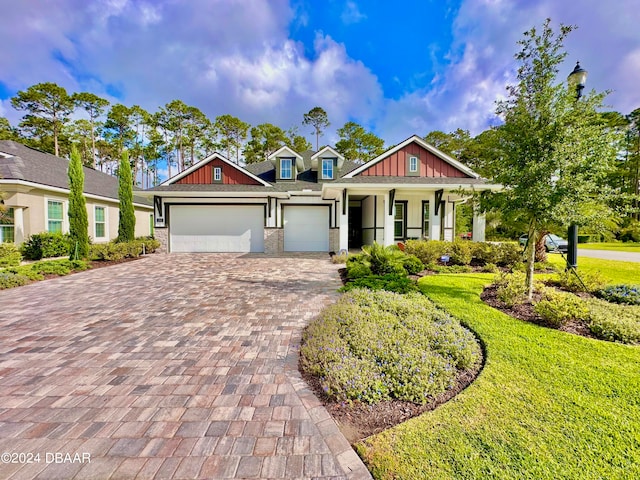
22	164
285	151
324	150
423	144
204	161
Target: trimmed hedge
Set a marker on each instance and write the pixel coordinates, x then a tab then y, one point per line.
114	251
46	245
464	252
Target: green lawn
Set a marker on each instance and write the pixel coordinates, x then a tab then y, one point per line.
612	271
547	405
620	247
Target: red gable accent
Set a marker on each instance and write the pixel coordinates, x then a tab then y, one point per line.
395	164
230	175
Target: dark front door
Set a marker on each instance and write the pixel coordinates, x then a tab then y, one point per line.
355	227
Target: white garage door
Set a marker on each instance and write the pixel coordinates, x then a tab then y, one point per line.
220	228
306	228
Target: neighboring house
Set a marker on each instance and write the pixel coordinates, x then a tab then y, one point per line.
36	187
313	201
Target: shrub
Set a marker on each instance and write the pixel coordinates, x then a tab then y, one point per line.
484	252
391	282
631	233
511	288
58	267
412	264
507	254
113	251
357	267
46	245
587	282
460	252
428	251
617	323
383	260
557	308
375	346
490	268
150	244
339	258
629	294
9	255
10	280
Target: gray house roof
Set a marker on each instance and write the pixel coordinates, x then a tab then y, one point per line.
21	163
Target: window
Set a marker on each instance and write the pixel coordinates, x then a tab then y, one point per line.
285	168
399	220
100	222
217	174
54	216
413	164
7	226
327	168
425	219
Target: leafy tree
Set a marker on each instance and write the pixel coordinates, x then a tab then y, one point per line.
453	144
78	221
296	142
117	127
94	106
7	132
232	132
198	135
49	107
79	133
357	144
127	216
555	151
317	118
265	139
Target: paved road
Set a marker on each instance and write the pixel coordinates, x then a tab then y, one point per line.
174	366
609	255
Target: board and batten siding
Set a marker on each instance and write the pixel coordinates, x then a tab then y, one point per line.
395	165
230	175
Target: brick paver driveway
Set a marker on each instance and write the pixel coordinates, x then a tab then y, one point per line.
173	366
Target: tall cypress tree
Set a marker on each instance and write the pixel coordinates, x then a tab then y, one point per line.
127	223
78	221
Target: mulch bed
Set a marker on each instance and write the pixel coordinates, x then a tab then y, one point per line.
525	311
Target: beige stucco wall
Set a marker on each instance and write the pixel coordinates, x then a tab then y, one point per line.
33	203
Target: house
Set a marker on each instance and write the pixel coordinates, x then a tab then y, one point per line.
314	201
36	195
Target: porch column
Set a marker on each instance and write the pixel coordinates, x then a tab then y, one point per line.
343	221
18	225
388	220
478	226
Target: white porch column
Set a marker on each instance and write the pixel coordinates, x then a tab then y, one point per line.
18	225
479	226
388	221
343	221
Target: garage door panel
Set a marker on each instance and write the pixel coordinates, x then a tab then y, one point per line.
208	228
306	228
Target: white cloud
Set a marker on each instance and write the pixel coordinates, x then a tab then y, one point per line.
351	13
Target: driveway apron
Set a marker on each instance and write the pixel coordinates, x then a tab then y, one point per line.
176	366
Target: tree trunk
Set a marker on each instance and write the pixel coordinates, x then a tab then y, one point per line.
531	258
541	249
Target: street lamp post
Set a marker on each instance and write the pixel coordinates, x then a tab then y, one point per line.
577	77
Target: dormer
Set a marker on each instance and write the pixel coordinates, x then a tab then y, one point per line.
287	163
328	163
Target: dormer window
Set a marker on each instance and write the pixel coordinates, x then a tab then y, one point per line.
327	168
286	168
217	174
413	164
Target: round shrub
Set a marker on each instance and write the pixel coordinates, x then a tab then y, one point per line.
511	288
557	308
412	264
428	251
375	346
9	255
460	252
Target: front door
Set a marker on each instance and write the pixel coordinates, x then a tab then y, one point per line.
355	227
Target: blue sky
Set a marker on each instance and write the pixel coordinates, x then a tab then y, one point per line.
398	68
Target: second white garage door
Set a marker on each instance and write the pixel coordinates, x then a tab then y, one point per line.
219	228
306	228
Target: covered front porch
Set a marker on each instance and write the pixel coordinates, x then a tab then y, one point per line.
391	215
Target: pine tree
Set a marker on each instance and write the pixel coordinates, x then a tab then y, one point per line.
78	221
127	221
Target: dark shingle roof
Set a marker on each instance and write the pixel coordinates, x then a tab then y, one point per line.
416	180
30	165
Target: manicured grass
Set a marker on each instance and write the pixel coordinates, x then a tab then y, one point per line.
613	271
620	247
548	404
